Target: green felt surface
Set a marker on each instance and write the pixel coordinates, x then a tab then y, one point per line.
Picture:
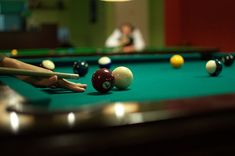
153	81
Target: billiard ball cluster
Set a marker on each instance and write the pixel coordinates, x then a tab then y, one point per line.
82	67
79	67
103	80
214	67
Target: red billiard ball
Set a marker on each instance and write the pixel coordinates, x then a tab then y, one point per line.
103	80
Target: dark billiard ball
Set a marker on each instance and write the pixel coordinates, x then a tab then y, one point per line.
48	64
103	80
227	60
81	68
214	67
105	62
231	56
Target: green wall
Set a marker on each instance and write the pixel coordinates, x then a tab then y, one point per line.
156	23
76	17
85	33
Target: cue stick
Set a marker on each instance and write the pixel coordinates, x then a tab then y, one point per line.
24	72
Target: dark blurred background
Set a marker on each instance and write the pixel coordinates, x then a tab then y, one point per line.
29	24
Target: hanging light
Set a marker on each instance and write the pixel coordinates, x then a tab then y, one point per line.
116	0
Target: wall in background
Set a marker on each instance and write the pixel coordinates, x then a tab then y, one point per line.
163	22
84	32
10	15
76	16
173	22
156	23
200	23
145	14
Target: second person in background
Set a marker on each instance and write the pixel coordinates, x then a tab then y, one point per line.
126	38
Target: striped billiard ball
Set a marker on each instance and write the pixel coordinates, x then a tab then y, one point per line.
214	67
103	80
105	62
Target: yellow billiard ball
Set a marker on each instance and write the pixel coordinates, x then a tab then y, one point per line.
14	52
177	61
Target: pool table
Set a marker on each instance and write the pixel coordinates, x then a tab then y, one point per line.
165	110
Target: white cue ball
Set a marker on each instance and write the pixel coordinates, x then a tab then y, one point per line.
211	66
122	77
48	64
104	60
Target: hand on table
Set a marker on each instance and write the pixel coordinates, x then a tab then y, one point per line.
53	81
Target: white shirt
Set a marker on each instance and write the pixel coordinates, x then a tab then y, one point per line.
113	39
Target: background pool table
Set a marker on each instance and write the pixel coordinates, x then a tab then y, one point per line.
87	51
163	104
